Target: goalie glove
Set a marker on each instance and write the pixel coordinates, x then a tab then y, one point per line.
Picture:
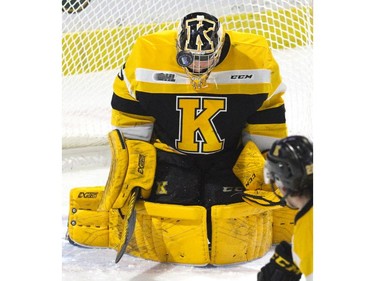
281	266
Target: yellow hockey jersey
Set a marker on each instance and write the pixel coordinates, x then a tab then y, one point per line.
302	242
153	99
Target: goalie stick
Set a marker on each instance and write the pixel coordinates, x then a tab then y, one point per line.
129	220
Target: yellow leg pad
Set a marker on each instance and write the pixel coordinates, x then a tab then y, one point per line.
283	224
89	227
117	220
170	233
86	226
240	233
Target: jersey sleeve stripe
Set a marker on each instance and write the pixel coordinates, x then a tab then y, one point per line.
269	116
126	105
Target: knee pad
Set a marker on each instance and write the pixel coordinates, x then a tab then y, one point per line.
178	234
170	233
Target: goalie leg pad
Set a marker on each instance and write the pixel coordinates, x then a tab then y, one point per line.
163	232
178	234
86	226
283	224
240	233
170	233
133	164
121	224
89	227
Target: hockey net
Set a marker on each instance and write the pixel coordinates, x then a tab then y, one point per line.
97	36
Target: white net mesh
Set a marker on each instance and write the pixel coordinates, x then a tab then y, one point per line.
97	36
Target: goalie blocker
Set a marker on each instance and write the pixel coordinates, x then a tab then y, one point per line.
102	217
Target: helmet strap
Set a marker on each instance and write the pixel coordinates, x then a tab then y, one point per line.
282	201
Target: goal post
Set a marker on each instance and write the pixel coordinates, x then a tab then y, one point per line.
97	36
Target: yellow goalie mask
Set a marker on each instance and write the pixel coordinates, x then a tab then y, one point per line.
199	44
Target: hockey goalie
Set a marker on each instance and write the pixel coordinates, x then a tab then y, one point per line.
193	112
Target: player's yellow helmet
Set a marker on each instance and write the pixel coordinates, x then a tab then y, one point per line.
199	44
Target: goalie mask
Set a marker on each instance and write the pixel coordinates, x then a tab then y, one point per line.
290	164
199	44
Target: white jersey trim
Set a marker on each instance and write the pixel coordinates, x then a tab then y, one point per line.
246	76
262	142
128	85
160	76
139	132
280	89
